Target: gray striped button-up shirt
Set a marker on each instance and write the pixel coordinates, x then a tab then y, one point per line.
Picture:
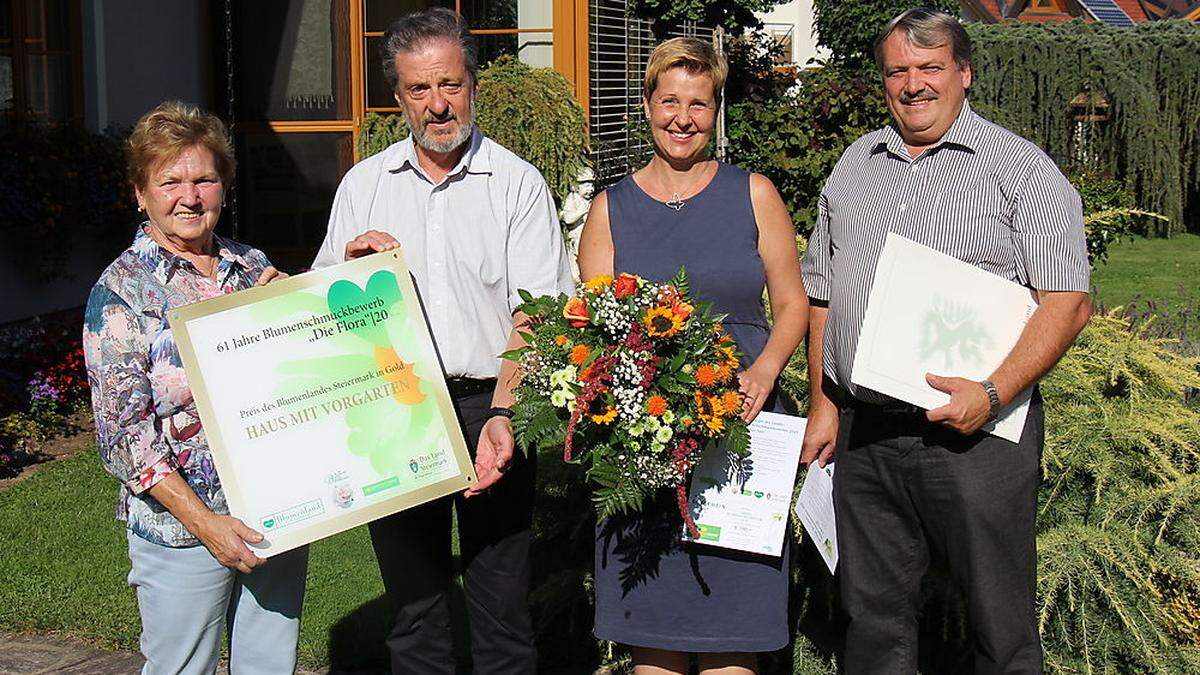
982	194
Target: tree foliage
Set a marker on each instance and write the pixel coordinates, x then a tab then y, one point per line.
531	111
849	29
796	140
733	15
1149	75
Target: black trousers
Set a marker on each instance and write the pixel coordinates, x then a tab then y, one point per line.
904	488
413	550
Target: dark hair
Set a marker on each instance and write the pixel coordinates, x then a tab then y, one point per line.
928	29
414	31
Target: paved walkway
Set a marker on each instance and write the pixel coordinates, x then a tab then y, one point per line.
29	654
43	655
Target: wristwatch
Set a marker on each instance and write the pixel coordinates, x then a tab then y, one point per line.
500	411
993	398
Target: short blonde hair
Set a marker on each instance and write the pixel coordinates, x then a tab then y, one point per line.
171	128
693	54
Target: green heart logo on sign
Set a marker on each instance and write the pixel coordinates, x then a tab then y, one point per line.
269	523
346	295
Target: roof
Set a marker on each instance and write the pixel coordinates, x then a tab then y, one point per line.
1113	12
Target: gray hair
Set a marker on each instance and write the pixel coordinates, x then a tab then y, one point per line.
928	29
419	29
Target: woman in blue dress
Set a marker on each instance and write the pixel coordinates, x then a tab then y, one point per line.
664	598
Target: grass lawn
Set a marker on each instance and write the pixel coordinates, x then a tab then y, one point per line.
1164	271
63	564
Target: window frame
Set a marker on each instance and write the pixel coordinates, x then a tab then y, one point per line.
20	115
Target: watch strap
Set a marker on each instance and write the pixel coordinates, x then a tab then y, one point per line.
500	411
993	398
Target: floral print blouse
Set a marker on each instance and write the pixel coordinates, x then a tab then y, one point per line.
147	426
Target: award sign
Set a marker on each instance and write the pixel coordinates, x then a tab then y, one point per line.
323	400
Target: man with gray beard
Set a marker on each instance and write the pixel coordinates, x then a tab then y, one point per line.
476	223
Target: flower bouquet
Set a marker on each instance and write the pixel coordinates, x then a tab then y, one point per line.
631	379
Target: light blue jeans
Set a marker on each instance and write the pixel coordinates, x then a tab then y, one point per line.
186	599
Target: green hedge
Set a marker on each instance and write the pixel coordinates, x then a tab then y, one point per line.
1150	75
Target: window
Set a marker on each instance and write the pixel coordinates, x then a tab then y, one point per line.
40	68
541	33
306	72
294	103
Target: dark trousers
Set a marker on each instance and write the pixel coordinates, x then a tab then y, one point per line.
904	488
413	549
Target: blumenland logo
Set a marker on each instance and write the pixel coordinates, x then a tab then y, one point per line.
953	331
414	466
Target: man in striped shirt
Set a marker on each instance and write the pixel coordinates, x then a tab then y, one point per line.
911	482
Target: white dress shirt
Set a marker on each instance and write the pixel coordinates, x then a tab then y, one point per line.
471	241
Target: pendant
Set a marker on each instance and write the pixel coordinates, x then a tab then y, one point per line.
676	203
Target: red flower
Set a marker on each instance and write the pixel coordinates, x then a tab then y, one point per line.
625	285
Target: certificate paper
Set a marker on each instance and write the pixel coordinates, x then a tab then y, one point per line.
814	508
932	313
745	507
323	400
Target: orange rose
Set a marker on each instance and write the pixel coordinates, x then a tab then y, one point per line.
625	285
576	312
683	310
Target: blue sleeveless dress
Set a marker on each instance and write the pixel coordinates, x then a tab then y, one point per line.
653	590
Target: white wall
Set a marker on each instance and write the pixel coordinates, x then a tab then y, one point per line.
535	49
799	14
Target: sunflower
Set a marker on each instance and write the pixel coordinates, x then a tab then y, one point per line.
706	376
656	405
598	283
606	417
662	322
579	354
711	410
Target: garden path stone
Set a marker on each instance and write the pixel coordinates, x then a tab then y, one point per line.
46	654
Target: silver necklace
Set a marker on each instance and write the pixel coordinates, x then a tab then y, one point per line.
677	202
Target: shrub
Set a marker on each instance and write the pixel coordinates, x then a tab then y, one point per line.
849	29
531	111
1110	212
60	187
796	140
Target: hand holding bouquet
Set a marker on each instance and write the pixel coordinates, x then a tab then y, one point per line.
632	380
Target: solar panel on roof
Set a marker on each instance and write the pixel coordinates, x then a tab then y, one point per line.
1107	12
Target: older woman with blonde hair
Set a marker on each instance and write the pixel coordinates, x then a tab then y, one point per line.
664	598
192	565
